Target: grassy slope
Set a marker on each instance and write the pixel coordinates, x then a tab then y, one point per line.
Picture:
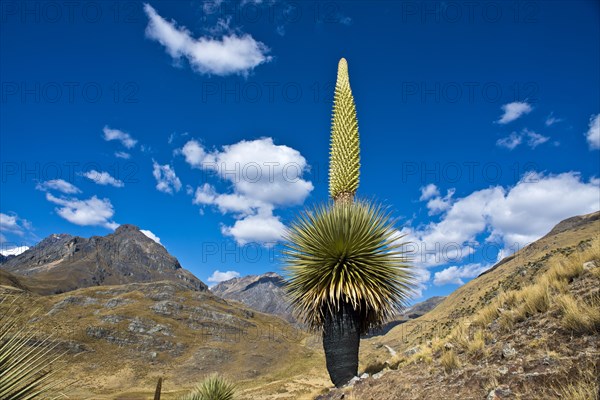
290	365
109	358
518	270
551	352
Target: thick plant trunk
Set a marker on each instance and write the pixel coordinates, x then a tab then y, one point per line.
341	340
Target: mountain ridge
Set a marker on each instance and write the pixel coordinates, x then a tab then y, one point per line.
63	262
264	293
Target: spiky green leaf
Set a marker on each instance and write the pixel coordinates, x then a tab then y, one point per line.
212	388
348	252
26	360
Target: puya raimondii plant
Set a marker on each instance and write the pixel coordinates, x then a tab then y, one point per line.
347	270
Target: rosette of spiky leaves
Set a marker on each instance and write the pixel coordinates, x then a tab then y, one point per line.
212	388
25	358
346	253
344	154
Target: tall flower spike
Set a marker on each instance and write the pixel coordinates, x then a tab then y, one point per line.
344	154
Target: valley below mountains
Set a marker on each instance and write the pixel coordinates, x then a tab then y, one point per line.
123	313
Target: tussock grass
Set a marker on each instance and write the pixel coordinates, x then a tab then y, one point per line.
486	315
511	307
396	361
554	284
565	268
507	299
550	291
490	380
459	336
592	252
464	338
507	320
424	356
477	345
585	387
579	316
538	343
536	298
437	345
376	366
450	361
489	313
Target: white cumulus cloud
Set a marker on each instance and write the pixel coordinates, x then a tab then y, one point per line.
13	224
421	277
513	111
263	177
9	222
593	133
59	185
229	54
455	274
166	179
261	170
90	212
150	235
194	154
263	227
439	204
429	191
511	141
533	139
513	217
551	120
122	154
123	137
218	276
103	178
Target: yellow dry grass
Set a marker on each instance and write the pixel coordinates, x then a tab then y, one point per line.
585	387
450	361
578	315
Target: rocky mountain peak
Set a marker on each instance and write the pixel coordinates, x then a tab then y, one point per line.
55	238
124	256
263	292
126	228
574	222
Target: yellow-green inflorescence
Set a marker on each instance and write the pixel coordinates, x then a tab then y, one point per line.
344	155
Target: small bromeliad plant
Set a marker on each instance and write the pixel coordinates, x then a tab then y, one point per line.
212	388
347	269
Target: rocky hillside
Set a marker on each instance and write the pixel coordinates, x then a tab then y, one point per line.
529	328
61	263
415	311
10	280
419	309
120	339
264	293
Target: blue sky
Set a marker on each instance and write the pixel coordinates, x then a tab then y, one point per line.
207	123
